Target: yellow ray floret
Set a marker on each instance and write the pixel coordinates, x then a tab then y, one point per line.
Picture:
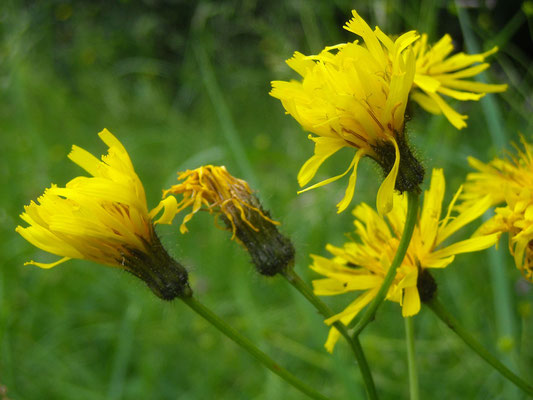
99	218
354	95
362	265
509	183
437	75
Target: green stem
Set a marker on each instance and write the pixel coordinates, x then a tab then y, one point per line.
251	348
411	359
294	279
370	312
436	306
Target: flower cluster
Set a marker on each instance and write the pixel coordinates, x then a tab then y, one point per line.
362	265
509	183
352	95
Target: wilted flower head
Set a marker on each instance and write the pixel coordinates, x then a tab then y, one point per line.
437	74
213	189
103	218
508	182
362	265
354	95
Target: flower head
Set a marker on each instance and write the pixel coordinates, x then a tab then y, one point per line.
103	218
437	74
509	183
213	189
354	95
362	265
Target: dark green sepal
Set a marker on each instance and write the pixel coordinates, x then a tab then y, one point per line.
271	252
166	277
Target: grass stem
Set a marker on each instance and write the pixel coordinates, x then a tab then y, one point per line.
411	358
370	312
294	279
251	348
438	309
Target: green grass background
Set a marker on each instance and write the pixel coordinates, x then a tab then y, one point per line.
183	84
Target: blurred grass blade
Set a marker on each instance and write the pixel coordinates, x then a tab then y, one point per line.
223	113
490	108
124	351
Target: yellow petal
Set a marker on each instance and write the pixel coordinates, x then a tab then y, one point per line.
435	262
353	308
386	190
426	83
329	180
519	251
333	337
85	160
411	302
467	246
464	218
300	63
358	26
426	102
460	95
42	238
348	195
383	38
342	284
325	147
460	61
431	210
453	116
170	206
47	265
465	73
479	87
404	41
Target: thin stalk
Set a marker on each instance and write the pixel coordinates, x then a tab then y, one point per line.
410	221
436	306
294	279
247	345
411	359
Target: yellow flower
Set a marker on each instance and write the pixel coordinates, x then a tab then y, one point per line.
213	189
510	183
103	218
354	96
362	265
438	75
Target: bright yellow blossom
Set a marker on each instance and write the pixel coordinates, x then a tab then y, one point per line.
103	218
362	265
438	75
214	189
510	184
354	95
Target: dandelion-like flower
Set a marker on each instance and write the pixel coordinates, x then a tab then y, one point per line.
437	75
362	265
215	190
354	95
103	218
509	182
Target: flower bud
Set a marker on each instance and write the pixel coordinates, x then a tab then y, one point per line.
232	200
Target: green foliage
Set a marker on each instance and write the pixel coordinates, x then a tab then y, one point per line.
183	84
